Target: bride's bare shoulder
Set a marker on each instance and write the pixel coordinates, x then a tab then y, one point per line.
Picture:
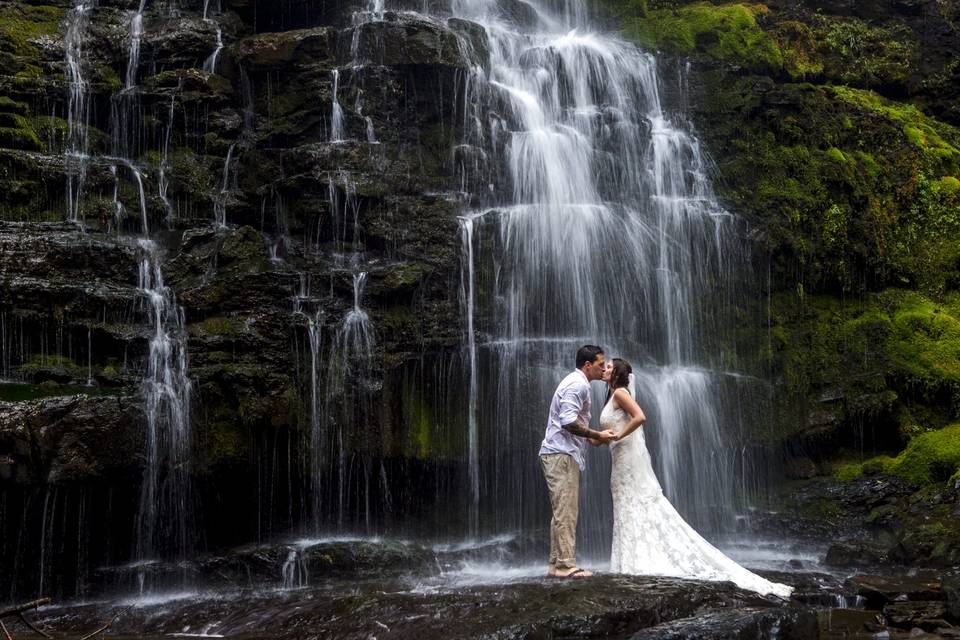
620	395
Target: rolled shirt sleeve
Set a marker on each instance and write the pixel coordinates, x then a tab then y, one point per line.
571	405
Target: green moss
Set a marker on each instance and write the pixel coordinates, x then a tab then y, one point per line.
879	464
931	458
836	155
19	132
20	26
856	52
220	326
421	428
17	392
925	340
848	471
727	32
937	139
947	186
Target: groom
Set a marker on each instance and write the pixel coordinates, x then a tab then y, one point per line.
561	457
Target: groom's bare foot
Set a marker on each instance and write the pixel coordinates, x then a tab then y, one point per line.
574	573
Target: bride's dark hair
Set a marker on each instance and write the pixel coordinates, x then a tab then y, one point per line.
619	376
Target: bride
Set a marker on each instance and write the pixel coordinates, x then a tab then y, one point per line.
649	536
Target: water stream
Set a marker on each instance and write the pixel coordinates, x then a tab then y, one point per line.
606	231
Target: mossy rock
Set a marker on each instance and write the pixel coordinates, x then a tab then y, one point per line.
21	26
932	458
726	32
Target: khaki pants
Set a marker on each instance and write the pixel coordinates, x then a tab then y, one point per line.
563	481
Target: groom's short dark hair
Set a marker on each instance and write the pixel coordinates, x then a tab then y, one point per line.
587	353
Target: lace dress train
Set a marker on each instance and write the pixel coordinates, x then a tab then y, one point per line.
649	535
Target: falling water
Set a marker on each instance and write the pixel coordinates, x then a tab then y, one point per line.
605	230
133	59
163	181
210	64
346	403
78	114
356	337
303	306
220	202
163	523
336	113
295	574
473	440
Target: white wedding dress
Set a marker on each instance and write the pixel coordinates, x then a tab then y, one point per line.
649	536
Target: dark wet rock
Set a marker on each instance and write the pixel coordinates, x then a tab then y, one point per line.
604	606
62	252
916	613
67	439
857	554
878	591
800	468
842	623
784	623
404	39
951	590
273	51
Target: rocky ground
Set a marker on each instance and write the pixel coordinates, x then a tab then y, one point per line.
359	589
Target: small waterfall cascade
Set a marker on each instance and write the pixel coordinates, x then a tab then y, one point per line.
467	297
220	202
346	402
78	105
345	212
136	35
210	64
295	574
356	337
600	227
163	181
164	522
308	307
336	111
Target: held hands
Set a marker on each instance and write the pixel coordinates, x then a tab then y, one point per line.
606	436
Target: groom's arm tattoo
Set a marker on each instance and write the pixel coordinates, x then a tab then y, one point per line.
578	429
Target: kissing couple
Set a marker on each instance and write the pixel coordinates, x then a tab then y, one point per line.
649	536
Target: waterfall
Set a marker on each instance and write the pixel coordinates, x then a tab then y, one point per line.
220	202
78	113
133	59
356	337
164	520
163	181
473	441
294	572
347	402
210	64
302	304
336	113
604	230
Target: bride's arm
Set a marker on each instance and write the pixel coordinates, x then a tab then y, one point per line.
626	402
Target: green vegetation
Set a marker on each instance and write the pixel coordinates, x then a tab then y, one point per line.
855	52
218	326
932	458
17	392
897	338
20	26
921	131
726	32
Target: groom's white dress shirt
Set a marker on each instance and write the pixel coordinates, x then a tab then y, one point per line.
571	401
